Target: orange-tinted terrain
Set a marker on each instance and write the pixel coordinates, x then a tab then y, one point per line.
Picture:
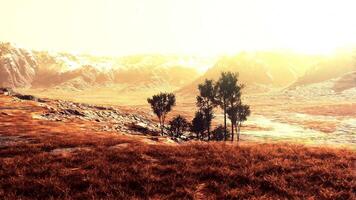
178	99
50	159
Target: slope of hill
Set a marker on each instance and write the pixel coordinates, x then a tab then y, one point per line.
259	71
329	68
332	76
345	82
17	66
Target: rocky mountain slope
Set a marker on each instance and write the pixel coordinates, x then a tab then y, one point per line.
33	69
332	76
17	66
327	69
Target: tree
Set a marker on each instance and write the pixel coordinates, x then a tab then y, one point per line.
178	125
232	113
219	133
225	87
243	113
198	124
161	104
206	102
235	100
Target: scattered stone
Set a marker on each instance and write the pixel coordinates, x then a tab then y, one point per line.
120	146
6	91
154	139
110	119
28	97
73	112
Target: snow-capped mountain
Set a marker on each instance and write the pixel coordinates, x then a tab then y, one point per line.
34	69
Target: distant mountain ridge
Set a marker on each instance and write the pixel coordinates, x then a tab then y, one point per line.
17	66
33	69
259	71
334	67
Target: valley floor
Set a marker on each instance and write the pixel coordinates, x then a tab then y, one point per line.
75	159
318	120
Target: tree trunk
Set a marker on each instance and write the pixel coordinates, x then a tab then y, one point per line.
160	126
232	132
208	133
225	130
238	126
235	126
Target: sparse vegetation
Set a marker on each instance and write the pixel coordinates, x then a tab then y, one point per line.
219	133
161	104
226	93
44	159
198	124
228	97
206	103
178	125
237	114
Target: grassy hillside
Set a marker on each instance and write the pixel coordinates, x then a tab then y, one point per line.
54	160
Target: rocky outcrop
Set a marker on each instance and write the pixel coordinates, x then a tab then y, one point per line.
108	118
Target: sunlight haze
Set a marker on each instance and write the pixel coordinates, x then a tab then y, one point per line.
110	27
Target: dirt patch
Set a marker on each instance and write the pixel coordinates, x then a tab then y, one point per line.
65	152
330	110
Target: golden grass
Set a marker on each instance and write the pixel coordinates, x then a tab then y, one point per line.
53	160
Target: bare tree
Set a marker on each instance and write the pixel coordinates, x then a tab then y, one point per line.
161	104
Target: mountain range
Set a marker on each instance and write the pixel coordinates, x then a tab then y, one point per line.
259	71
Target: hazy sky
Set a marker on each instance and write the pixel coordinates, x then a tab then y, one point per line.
206	27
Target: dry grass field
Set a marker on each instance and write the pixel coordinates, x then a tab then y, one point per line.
54	160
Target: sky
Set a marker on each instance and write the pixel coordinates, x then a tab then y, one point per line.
197	27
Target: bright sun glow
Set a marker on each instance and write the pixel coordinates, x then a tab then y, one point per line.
201	27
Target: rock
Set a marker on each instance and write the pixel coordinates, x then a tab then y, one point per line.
4	113
140	127
120	146
6	91
25	97
73	112
28	97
